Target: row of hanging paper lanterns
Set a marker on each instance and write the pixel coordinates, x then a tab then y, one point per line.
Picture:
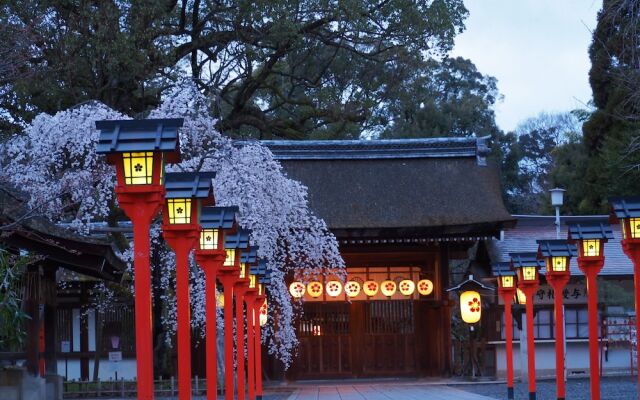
352	288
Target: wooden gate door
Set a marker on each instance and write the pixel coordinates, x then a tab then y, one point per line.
388	347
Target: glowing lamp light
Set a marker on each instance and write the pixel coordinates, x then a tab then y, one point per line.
209	239
333	288
297	289
507	281
557	264
230	259
407	287
179	211
425	287
370	288
263	313
138	168
314	289
521	298
388	288
252	281
591	247
632	230
470	306
352	288
220	300
528	273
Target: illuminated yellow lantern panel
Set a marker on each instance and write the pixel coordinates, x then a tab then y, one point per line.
507	281
209	239
470	306
333	288
297	289
425	287
263	313
220	300
243	270
558	264
352	288
591	248
521	297
179	211
407	287
370	288
260	289
529	273
388	288
634	226
230	260
252	281
138	168
314	289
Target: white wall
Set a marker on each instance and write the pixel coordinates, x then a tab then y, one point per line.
126	369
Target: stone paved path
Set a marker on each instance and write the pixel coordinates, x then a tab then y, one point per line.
387	391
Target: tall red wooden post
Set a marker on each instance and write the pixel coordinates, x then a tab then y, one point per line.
590	239
139	149
259	301
239	289
506	290
249	299
228	279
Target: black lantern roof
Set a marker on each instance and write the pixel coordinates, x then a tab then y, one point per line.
249	257
502	269
470	284
218	217
527	259
133	135
556	248
239	240
625	207
265	278
185	185
597	230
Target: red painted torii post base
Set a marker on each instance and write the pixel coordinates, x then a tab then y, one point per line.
182	239
591	268
228	276
632	250
249	300
239	289
211	261
529	290
257	304
507	298
558	283
141	205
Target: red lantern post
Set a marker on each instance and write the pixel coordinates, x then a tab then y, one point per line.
240	289
185	194
260	299
139	149
557	255
507	289
249	299
627	211
590	239
210	255
526	266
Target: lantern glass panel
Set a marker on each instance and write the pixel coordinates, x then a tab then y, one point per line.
470	306
558	264
507	281
138	168
591	248
263	313
260	289
230	260
209	239
252	281
179	211
634	228
529	273
243	270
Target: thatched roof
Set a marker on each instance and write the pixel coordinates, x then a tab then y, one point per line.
421	187
24	229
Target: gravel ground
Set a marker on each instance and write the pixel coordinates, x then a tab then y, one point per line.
618	388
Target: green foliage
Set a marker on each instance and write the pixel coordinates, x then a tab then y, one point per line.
12	317
313	68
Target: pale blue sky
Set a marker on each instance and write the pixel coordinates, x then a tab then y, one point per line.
537	49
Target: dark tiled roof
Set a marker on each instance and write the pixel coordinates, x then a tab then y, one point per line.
398	184
590	230
250	256
625	207
218	217
502	269
530	228
138	135
186	185
525	259
239	240
556	248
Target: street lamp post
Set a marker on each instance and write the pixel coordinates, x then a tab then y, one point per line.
507	289
187	192
557	255
590	239
527	266
228	276
626	210
139	149
210	255
557	200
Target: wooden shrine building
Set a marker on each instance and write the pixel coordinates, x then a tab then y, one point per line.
400	210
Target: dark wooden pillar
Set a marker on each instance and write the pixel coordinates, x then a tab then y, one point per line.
50	320
84	333
32	302
445	357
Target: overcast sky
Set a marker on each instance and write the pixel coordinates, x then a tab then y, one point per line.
537	49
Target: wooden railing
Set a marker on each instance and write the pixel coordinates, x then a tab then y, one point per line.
128	388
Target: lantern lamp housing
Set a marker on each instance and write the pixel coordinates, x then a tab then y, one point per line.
627	211
214	221
590	238
234	245
139	149
557	197
186	193
557	255
526	266
505	276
